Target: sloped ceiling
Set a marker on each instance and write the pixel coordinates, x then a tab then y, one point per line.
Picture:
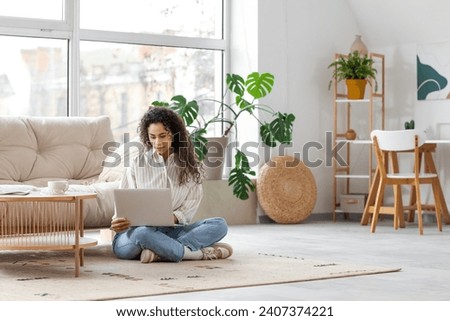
394	22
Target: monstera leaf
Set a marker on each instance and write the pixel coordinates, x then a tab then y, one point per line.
199	141
259	85
279	130
266	135
236	84
187	110
428	80
281	127
240	177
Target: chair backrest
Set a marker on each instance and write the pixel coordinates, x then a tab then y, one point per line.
398	140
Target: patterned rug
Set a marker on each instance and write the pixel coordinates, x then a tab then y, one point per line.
49	275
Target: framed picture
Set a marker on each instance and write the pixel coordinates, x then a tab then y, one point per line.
433	71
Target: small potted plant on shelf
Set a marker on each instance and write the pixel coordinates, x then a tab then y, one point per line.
356	70
245	94
409	124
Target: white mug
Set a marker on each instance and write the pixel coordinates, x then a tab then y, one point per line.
57	187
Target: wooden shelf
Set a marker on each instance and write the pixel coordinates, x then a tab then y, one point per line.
373	104
352	176
354	141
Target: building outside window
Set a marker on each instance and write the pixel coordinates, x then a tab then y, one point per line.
99	57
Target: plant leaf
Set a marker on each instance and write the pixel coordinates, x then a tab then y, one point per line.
236	84
239	177
242	103
266	135
199	141
259	85
353	66
187	110
157	103
281	127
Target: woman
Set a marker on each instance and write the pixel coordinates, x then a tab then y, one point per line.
169	161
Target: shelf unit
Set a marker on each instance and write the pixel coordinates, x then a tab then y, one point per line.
346	179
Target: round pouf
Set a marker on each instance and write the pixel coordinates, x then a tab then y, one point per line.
286	189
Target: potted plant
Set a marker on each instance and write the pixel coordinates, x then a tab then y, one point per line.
356	70
409	124
244	95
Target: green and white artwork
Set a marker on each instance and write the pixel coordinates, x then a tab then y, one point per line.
433	71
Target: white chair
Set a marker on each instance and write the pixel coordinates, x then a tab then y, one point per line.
388	145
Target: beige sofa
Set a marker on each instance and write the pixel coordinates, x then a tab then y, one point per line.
34	150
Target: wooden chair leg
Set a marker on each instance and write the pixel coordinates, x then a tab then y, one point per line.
419	208
376	211
371	198
412	203
399	219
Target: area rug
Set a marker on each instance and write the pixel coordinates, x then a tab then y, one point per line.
49	275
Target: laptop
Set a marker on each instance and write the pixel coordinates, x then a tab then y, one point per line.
150	207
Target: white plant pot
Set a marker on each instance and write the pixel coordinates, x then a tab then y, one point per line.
214	160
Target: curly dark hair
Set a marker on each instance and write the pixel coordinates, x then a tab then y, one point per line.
183	149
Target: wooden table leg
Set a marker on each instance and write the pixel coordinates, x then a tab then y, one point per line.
77	236
412	194
431	168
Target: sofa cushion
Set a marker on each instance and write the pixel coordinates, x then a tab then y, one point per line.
52	147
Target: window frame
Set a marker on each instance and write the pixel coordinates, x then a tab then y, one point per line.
69	29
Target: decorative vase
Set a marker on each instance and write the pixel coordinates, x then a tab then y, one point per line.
359	46
350	134
356	88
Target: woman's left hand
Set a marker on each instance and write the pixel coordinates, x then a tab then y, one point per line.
120	224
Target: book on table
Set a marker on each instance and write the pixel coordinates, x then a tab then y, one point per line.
15	190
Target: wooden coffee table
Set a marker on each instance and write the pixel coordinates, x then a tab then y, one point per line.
45	222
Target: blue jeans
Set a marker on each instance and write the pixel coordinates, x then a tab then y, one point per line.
169	242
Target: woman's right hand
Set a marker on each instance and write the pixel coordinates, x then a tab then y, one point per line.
120	224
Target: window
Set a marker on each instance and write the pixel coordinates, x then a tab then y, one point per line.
138	52
189	18
122	80
33	76
42	9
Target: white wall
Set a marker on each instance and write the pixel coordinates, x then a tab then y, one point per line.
297	40
396	30
433	116
244	53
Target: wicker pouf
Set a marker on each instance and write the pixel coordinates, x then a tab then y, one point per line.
286	189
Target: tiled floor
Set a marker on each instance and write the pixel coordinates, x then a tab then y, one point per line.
424	260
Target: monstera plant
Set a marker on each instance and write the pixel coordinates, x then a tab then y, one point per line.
244	96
